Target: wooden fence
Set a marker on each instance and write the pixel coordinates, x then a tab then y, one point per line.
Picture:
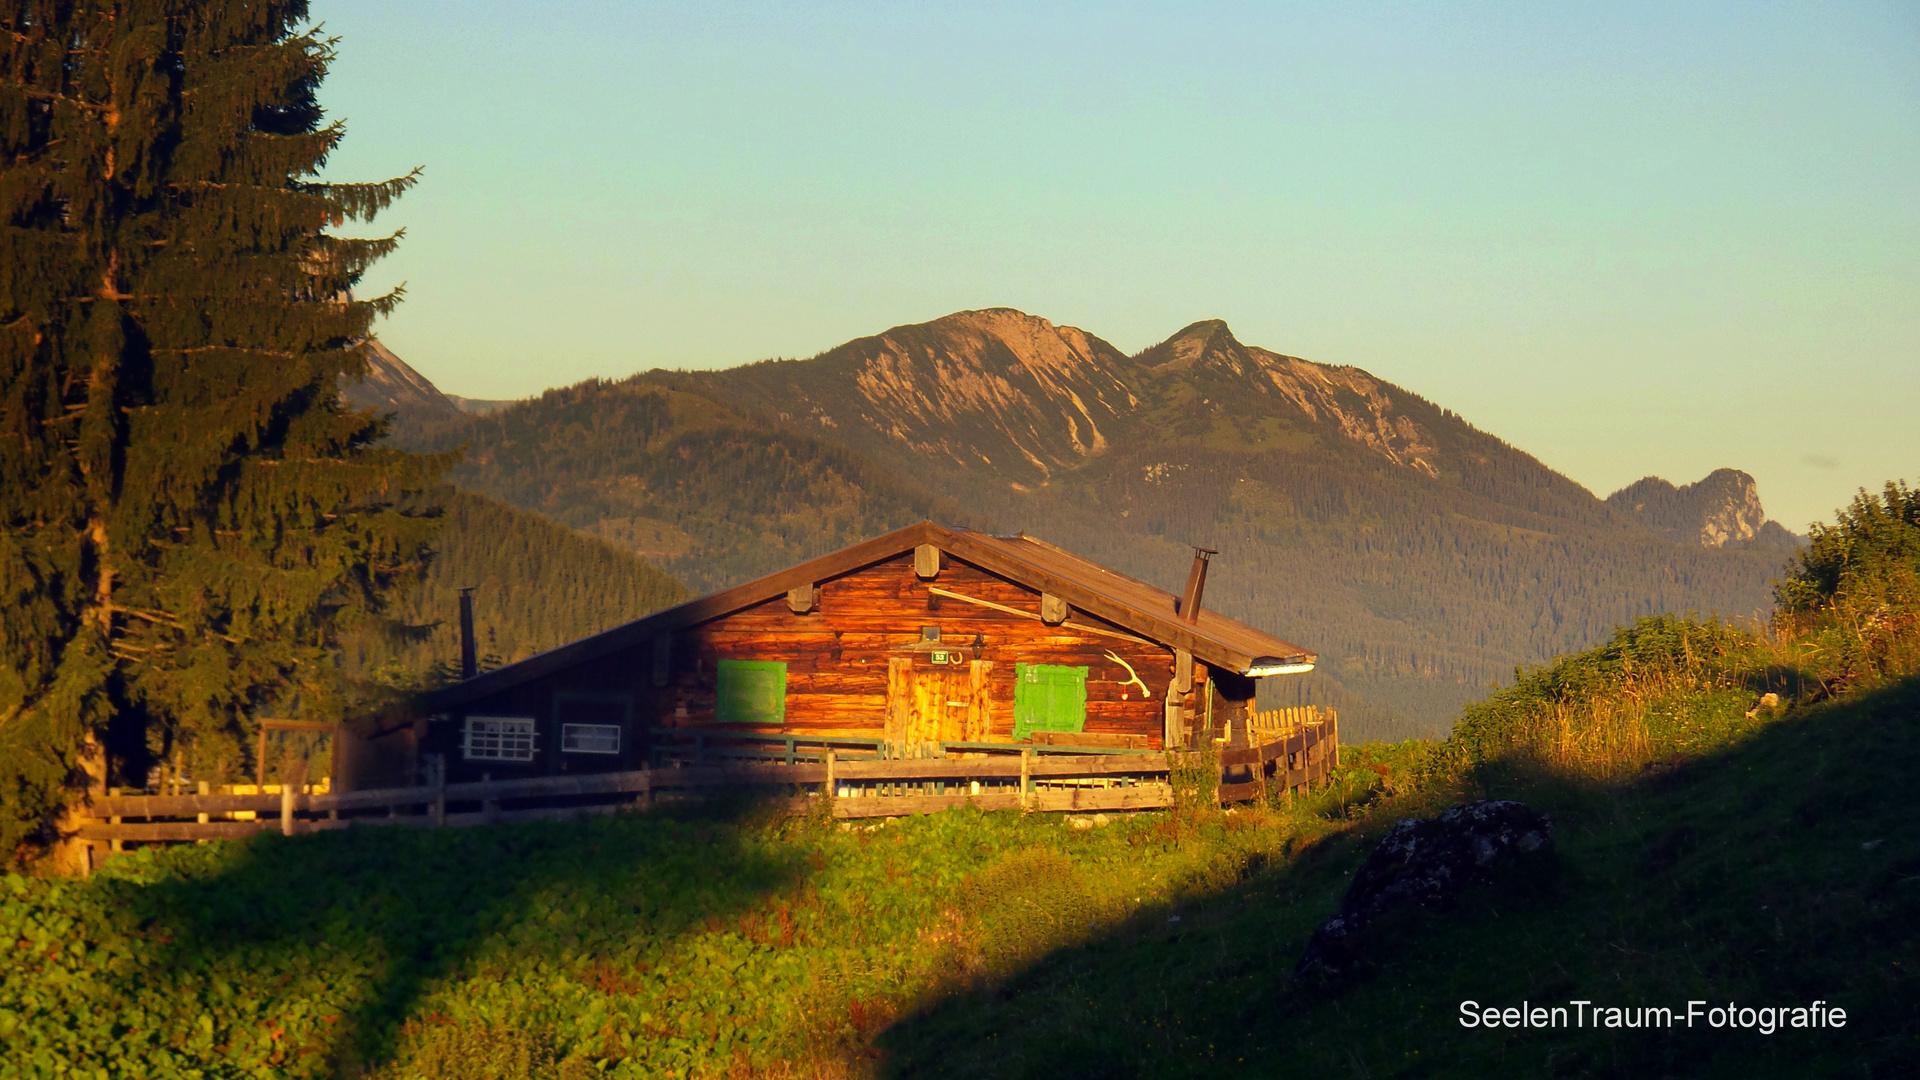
1291	748
991	776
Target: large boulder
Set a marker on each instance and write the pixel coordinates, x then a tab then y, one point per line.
1425	864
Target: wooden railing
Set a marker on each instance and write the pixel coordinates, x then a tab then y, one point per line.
1293	748
853	788
991	776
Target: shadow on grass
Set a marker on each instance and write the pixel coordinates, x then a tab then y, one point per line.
361	925
1778	871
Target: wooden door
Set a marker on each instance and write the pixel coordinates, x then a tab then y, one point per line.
936	703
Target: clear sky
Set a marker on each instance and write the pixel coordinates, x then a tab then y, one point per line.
1631	238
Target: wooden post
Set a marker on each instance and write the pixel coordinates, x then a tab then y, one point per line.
1026	775
646	787
832	792
286	807
437	773
1333	732
334	746
113	845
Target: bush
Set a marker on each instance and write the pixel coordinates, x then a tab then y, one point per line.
1873	549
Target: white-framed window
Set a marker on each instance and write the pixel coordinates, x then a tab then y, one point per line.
498	738
590	738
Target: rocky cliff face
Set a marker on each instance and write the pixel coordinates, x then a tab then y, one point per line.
1722	509
994	389
1002	392
392	386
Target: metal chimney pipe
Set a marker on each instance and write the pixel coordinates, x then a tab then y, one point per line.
1196	584
469	650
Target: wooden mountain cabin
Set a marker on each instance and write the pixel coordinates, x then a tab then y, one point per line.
925	637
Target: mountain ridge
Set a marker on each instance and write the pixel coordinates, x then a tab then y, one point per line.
1426	558
1720	509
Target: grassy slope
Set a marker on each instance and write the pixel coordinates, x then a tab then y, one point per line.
721	943
1739	876
638	945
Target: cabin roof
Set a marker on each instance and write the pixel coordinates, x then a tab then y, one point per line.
1089	587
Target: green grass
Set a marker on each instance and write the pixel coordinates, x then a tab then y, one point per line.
707	943
1740	875
1710	856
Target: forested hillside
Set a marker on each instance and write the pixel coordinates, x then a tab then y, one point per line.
711	494
1425	559
537	585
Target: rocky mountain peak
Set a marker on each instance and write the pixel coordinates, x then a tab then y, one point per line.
1208	341
390	385
995	387
1722	508
1343	402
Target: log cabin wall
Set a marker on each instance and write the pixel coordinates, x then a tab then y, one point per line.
838	654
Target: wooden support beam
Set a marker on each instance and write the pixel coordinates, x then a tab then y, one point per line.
1140	797
1054	610
802	599
926	562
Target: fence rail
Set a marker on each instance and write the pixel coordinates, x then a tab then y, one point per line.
991	776
1293	748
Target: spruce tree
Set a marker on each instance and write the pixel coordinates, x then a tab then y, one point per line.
187	511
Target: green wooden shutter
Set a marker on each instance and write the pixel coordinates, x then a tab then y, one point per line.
751	692
1048	697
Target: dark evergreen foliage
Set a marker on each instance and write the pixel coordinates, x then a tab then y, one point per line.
713	495
187	512
537	586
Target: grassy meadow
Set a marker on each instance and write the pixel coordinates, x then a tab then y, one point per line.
1734	823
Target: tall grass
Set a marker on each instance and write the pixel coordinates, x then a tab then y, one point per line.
1670	686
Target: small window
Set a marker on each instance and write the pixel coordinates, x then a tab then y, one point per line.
1048	697
590	738
498	738
751	692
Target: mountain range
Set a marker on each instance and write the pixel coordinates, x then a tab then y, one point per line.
1422	557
